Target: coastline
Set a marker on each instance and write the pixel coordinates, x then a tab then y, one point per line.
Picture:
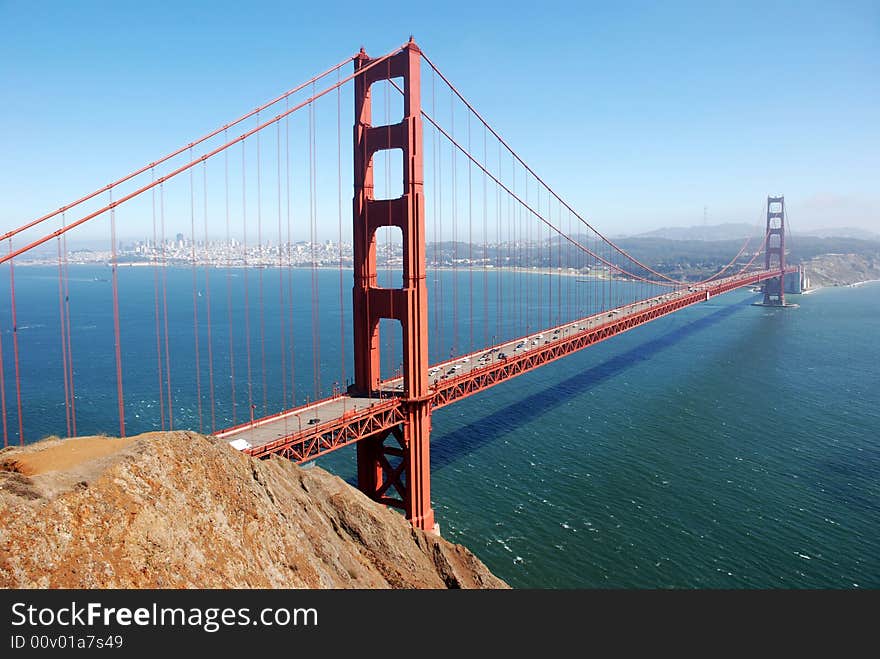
548	272
854	284
266	266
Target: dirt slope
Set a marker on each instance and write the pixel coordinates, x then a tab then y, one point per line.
180	510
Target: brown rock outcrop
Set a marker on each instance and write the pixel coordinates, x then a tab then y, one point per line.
181	510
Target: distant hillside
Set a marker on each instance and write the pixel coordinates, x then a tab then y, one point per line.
842	232
741	230
799	247
842	269
728	231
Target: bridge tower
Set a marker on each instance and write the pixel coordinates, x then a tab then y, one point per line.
774	289
398	460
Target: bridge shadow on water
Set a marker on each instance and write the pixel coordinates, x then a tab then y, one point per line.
446	448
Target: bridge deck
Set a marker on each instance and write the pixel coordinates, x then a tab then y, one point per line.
315	429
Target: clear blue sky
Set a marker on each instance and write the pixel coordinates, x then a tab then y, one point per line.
640	114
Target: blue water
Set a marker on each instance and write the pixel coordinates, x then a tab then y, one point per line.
726	446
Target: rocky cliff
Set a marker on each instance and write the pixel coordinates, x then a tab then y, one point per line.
181	510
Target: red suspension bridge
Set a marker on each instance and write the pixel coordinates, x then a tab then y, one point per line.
499	276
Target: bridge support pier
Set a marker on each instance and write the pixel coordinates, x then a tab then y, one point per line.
404	465
393	467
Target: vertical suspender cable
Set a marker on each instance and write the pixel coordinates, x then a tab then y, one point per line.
195	283
514	220
549	264
260	264
247	306
67	329
550	267
454	349
281	306
527	246
436	195
15	347
525	237
499	275
63	340
282	299
560	268
563	271
229	283
154	258
511	300
208	300
116	334
470	241
605	274
485	244
520	272
316	337
439	231
290	342
518	237
170	406
535	251
597	288
609	281
615	289
569	314
342	377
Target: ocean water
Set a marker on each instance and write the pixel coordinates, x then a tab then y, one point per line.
726	446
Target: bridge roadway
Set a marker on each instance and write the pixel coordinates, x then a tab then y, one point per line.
317	428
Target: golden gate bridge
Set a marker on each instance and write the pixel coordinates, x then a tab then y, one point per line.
437	175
